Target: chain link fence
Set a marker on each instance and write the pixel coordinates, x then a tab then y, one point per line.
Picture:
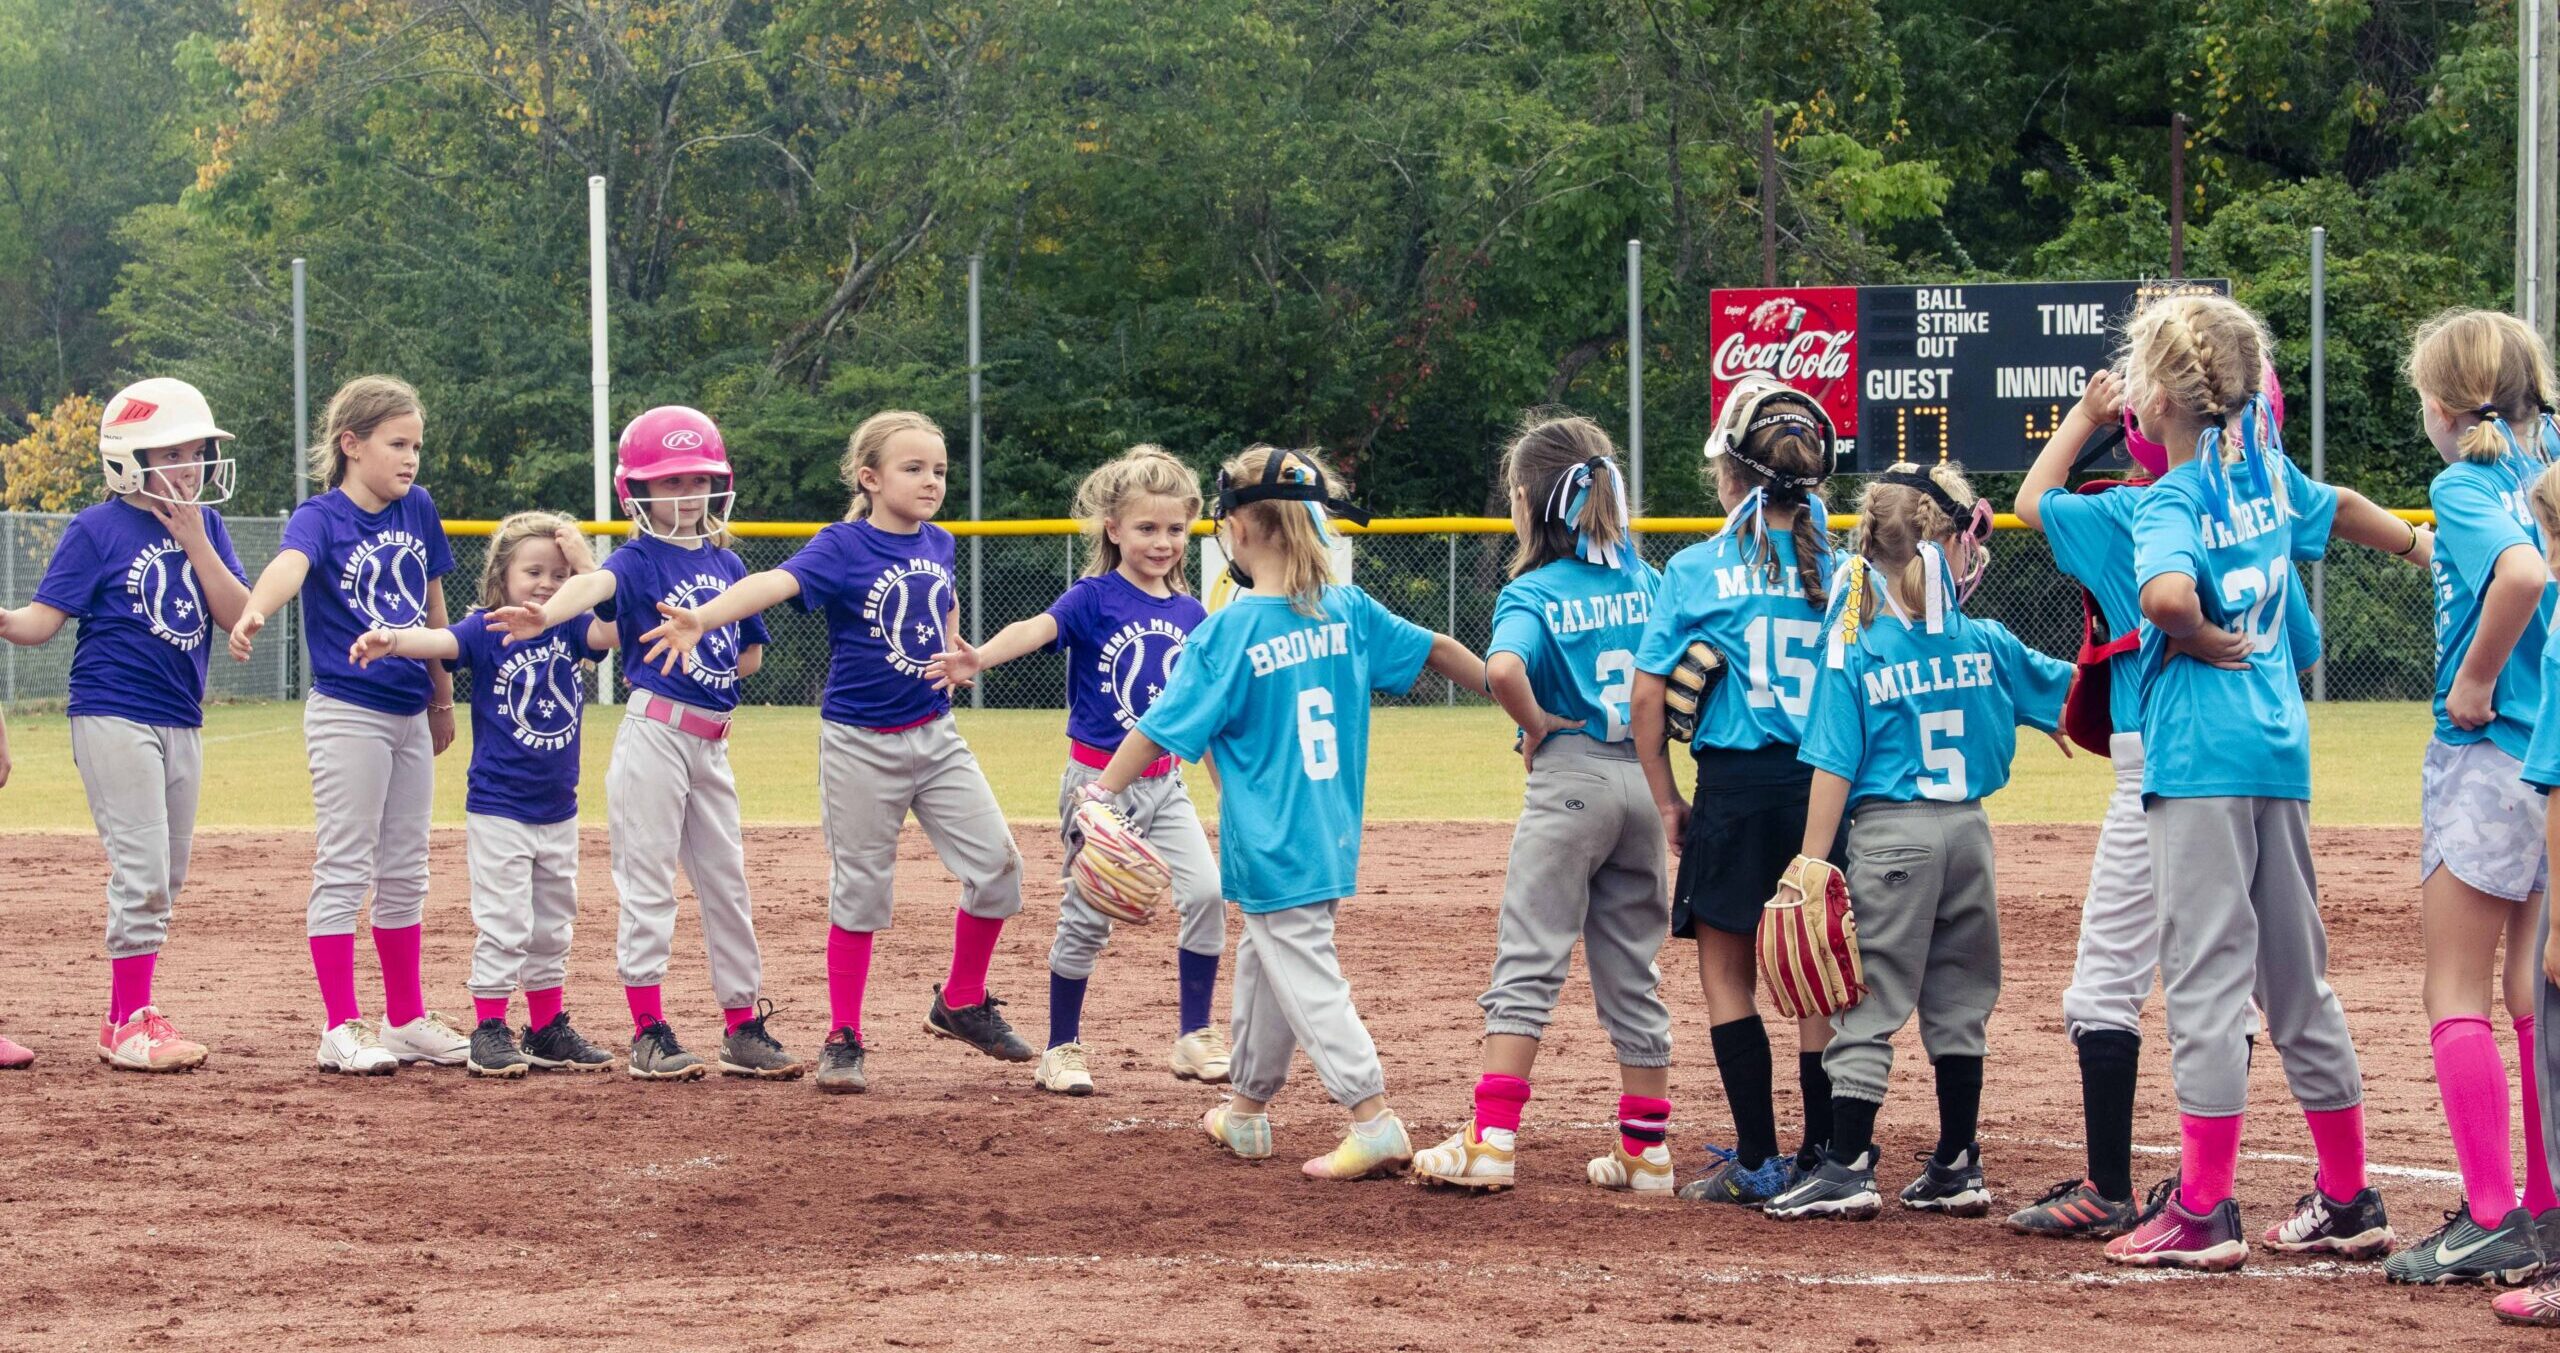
2379	636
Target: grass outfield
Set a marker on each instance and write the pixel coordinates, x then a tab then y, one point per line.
1424	764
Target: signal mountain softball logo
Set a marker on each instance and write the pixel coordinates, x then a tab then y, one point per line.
163	587
713	663
905	608
1136	664
537	688
385	581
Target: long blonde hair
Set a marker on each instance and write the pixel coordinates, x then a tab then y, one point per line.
1118	485
360	406
869	443
1306	567
510	536
1893	521
1548	447
2484	363
2206	353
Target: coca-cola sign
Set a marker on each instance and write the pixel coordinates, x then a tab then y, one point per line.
1804	336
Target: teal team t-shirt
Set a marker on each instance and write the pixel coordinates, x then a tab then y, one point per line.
1575	625
2092	539
2480	515
1769	632
1912	715
2210	732
1283	700
2542	756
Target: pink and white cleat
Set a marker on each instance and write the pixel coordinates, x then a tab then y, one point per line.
147	1041
2169	1236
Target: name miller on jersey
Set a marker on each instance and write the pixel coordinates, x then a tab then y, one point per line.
1909	680
1297	646
1573	615
1754	580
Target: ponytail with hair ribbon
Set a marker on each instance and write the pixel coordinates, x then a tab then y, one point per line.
2521	464
1572	494
2260	447
1858	578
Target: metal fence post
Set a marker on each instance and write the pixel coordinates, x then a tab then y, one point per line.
2320	436
1452	631
300	661
9	593
1635	373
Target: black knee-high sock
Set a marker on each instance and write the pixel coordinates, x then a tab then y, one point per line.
1742	1062
2109	1062
1959	1106
1853	1127
1818	1120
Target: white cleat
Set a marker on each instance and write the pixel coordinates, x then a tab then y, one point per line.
428	1039
1201	1055
1648	1173
1061	1071
354	1049
1467	1163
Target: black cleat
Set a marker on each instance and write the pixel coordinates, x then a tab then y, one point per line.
493	1052
979	1026
840	1064
557	1047
1836	1190
750	1051
1955	1188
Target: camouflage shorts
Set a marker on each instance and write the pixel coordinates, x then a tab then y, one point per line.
2482	821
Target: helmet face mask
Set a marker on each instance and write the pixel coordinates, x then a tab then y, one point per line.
158	415
710	516
128	474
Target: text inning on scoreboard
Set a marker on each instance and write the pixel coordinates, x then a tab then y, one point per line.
1979	373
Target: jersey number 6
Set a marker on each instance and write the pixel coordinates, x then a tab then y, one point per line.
1315	735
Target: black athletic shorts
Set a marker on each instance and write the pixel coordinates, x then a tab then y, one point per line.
1745	827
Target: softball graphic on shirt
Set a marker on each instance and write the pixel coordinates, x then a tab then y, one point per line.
385	581
163	587
1136	663
713	663
905	607
538	690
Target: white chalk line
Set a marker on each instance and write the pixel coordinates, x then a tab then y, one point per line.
2413	1173
1572	1274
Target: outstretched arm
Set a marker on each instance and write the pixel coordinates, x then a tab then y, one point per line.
1457	662
2360	521
374	645
575	598
680	628
32	624
277	582
960	664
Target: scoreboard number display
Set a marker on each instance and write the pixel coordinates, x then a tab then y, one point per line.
1982	373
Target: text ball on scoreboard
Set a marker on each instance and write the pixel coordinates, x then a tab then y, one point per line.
1982	373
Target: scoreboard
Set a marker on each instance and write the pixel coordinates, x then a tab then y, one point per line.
1974	372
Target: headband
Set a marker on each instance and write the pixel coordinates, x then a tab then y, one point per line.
1974	521
1233	494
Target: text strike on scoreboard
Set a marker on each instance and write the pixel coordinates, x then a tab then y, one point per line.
1982	373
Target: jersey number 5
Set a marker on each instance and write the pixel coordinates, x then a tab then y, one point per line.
1316	752
1944	759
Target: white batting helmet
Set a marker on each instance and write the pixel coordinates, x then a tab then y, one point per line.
155	413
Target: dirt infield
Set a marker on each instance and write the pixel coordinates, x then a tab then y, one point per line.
259	1204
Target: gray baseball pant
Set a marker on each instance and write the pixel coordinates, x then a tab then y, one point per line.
1291	994
1587	863
2240	912
867	783
143	781
670	800
373	789
524	903
1920	878
1161	810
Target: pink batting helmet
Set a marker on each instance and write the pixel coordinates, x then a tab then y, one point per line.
2154	458
672	439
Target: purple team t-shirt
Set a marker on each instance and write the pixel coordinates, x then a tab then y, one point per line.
144	632
525	705
369	570
1121	645
884	597
647	571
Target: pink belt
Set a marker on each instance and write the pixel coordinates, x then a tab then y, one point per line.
1094	758
659	709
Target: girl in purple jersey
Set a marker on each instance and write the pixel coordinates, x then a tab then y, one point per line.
149	574
1122	626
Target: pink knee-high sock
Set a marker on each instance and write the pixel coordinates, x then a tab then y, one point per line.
644	1008
128	985
2472	1081
1643	1123
541	1007
2337	1142
734	1015
1499	1100
973	947
2538	1195
333	961
404	990
485	1009
2208	1160
848	972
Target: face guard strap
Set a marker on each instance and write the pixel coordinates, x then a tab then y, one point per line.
1233	494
